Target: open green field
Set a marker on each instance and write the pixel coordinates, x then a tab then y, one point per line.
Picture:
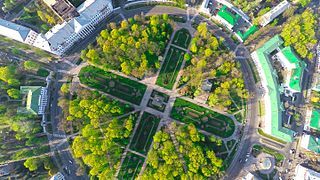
131	166
203	118
118	86
142	138
182	38
170	68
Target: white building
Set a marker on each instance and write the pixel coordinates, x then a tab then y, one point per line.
274	12
302	173
57	176
293	68
62	36
249	176
17	32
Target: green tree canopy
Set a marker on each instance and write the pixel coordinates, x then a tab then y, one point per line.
14	93
31	65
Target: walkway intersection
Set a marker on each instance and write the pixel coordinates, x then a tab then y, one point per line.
150	82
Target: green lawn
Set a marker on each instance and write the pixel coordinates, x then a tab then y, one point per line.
182	38
203	118
278	156
229	159
142	138
118	86
231	143
131	166
260	131
170	68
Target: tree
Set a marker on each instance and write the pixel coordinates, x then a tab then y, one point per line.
65	88
32	164
99	146
7	72
202	29
187	57
31	65
299	32
14	93
125	68
164	161
13	82
208	52
3	109
304	2
133	47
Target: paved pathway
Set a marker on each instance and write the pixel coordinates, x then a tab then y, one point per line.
130	140
173	94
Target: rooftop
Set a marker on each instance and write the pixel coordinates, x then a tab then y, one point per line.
315	119
13	31
272	87
227	15
33	98
310	143
297	72
314	144
303	173
64	9
244	36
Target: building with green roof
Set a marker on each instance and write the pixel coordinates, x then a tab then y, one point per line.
244	35
315	119
273	105
294	69
228	18
312	120
310	143
35	99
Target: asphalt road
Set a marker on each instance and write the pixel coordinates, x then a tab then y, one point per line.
64	160
249	134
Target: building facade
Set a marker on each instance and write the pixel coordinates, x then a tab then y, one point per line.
303	173
274	12
17	32
273	106
58	176
61	37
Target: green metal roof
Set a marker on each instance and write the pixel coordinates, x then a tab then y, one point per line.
314	144
228	16
248	33
315	119
277	129
33	95
296	76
